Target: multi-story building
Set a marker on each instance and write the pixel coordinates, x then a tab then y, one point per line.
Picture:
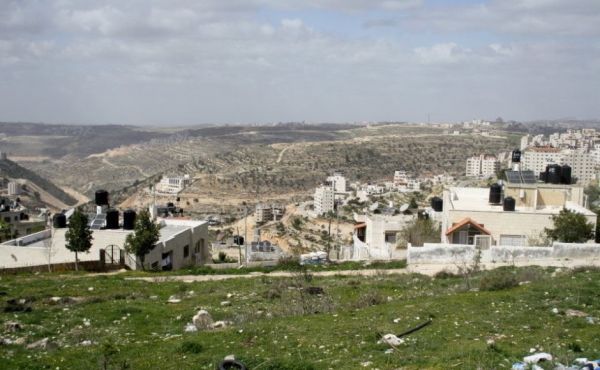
338	182
537	158
482	165
268	212
173	185
583	163
324	199
14	188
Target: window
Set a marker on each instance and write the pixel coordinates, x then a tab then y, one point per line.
483	241
390	237
197	247
513	240
186	251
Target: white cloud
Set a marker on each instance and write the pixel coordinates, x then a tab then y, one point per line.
441	53
113	60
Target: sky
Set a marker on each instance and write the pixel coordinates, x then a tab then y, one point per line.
185	62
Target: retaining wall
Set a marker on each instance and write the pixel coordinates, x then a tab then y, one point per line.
455	253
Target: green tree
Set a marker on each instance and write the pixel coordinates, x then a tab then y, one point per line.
144	237
418	232
413	203
78	236
5	230
570	227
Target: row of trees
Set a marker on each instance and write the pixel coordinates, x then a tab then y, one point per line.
140	242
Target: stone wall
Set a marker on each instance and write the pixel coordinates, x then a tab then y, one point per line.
453	254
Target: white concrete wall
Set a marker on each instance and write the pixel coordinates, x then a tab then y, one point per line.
451	254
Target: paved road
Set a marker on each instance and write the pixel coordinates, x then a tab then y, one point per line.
194	278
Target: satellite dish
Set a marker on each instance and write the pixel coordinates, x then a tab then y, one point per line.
404	207
391	204
374	206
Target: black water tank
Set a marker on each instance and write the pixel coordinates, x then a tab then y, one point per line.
565	174
437	204
101	198
59	221
495	194
129	217
112	219
509	204
553	173
516	156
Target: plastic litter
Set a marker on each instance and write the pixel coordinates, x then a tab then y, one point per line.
537	357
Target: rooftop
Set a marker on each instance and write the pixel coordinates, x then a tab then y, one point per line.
36	253
477	199
544	149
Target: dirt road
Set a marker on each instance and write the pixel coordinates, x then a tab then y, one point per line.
195	278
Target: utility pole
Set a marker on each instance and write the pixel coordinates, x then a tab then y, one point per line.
246	232
237	232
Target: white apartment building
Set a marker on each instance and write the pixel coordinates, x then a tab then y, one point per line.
324	199
338	182
14	188
482	165
173	185
583	164
536	159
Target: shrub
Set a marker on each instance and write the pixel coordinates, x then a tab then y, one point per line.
498	280
289	263
191	347
444	274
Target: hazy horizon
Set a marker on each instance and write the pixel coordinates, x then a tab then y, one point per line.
186	63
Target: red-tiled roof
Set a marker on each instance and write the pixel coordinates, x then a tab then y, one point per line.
464	222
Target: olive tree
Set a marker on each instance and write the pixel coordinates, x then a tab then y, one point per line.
78	236
144	237
570	227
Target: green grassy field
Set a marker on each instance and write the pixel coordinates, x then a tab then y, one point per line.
276	324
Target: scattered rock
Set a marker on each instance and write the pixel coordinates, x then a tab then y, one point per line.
225	303
315	290
43	344
202	320
391	340
5	341
366	363
555	310
590	320
219	325
190	328
91	289
12	326
14	305
86	343
153	297
229	358
575	313
173	299
397	320
21	341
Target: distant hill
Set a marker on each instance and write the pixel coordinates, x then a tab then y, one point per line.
56	141
11	169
